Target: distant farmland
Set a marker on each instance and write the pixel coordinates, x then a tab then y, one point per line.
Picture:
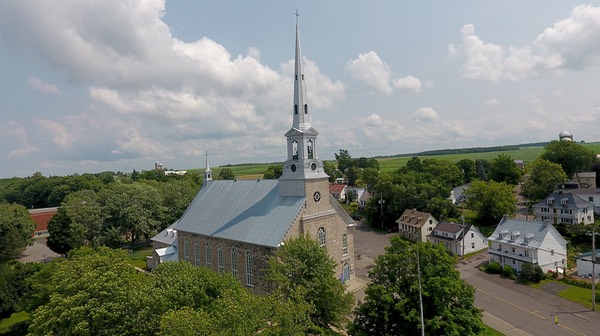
387	164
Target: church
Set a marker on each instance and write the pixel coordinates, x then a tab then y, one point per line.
235	225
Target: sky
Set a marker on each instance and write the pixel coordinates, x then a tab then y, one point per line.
97	85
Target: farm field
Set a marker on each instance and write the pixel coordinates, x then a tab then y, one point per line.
387	164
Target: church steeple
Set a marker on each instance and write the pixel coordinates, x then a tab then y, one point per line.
302	164
301	116
207	171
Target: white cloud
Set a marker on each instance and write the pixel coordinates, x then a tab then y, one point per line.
492	102
15	140
372	71
425	114
59	133
408	83
38	85
569	44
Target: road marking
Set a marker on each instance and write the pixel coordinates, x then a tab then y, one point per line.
530	312
512	304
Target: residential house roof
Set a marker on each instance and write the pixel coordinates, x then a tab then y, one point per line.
564	199
413	218
249	211
336	188
522	232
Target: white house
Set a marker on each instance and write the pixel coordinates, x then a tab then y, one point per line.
591	195
165	247
564	208
517	241
459	239
584	264
416	225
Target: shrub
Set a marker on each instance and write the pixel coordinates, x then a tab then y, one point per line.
493	268
531	273
508	272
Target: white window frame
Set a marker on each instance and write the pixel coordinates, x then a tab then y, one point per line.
234	263
345	244
220	260
196	254
186	249
208	255
249	269
321	237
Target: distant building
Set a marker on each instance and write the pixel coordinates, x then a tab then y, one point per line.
158	166
165	247
564	208
338	191
459	239
42	217
565	136
584	264
416	225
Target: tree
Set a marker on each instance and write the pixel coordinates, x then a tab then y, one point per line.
16	230
226	174
542	177
302	265
391	305
344	160
504	169
64	235
134	209
273	172
572	156
491	200
530	273
370	177
97	293
86	217
483	167
468	168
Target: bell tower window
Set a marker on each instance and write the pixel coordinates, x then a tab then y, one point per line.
305	108
295	109
309	149
294	149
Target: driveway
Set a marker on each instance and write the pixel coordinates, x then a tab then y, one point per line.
38	252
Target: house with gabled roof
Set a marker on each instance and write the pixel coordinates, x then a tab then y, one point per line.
562	207
338	191
234	226
517	241
459	239
416	225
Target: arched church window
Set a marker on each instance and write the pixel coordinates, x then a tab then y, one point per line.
344	244
321	237
309	148
294	149
249	269
234	262
186	249
196	254
208	255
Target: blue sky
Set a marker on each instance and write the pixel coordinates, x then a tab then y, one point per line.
88	86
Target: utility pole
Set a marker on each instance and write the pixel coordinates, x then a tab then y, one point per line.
420	290
594	267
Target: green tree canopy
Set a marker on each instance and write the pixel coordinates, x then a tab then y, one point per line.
273	172
491	200
468	168
16	230
64	235
542	178
301	266
504	169
572	157
226	174
391	305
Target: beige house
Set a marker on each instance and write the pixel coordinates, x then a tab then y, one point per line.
234	226
415	225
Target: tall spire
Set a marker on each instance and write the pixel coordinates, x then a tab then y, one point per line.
301	116
207	171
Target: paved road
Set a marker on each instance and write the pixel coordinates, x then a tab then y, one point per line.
521	310
38	252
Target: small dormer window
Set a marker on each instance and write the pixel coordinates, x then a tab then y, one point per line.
550	200
564	201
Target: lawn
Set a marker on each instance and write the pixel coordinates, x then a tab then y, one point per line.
7	323
578	294
491	332
138	257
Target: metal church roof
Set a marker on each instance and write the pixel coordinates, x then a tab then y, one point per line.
249	211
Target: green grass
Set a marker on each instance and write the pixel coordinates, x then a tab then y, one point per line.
15	318
138	257
491	332
578	294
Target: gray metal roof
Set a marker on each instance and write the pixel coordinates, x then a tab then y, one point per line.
515	230
249	211
167	236
573	201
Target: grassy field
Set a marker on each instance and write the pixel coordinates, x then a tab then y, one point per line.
138	257
387	164
7	323
491	332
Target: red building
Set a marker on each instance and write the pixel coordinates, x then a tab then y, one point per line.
41	217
